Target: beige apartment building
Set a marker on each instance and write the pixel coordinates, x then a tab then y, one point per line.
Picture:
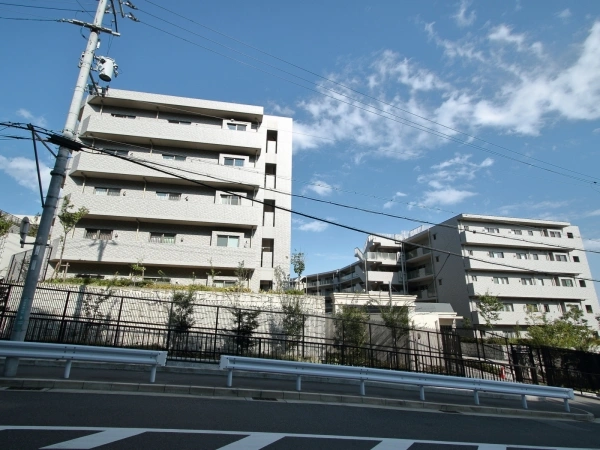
166	222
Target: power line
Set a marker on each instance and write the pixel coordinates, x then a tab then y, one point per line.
44	7
406	121
33	20
330	222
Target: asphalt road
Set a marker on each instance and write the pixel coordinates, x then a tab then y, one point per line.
105	421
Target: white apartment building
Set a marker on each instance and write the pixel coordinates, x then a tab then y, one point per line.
173	227
378	269
530	265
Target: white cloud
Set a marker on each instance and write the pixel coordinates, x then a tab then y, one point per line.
445	196
459	167
596	130
564	14
319	187
508	94
35	120
23	170
593	213
591	244
390	203
279	110
314	226
524	207
462	18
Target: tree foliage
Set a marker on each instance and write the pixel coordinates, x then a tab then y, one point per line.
5	224
245	323
489	307
570	330
351	326
68	219
396	318
243	275
181	314
298	263
294	317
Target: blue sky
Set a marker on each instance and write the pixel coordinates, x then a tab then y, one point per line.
523	77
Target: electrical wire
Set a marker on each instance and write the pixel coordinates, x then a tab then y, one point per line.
330	222
27	19
405	121
44	7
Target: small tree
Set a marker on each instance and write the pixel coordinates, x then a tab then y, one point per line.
294	317
137	271
245	323
68	219
282	279
350	331
298	263
5	224
570	330
243	275
181	315
395	318
489	307
211	274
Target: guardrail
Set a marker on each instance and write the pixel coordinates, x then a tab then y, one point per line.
70	353
364	374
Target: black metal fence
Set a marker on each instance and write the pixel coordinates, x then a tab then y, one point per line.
92	318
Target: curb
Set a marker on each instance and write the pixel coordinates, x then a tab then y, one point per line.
216	392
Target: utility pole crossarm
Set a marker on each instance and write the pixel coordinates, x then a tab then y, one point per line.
91	26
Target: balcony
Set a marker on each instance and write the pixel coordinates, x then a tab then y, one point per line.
425	294
385	277
162	133
106	166
541	265
515	241
420	273
108	207
179	254
517	290
385	258
417	253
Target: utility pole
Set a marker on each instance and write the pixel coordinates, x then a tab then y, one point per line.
21	322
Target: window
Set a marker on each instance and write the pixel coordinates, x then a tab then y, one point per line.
535	256
530	232
223	283
236	126
581	283
575	258
228	241
434	236
231	199
572	307
559	257
238	162
180	122
112	192
123	116
532	307
588	309
440	281
470	252
517	232
492	230
496	254
500	280
173	157
527	281
570	235
546	308
508	307
473	277
566	282
555	234
466	227
104	235
162	238
173	196
522	256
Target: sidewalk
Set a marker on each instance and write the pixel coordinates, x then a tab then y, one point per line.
208	380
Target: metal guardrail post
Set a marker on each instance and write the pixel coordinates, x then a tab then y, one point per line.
118	323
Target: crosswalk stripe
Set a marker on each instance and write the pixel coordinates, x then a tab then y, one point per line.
97	439
393	444
255	441
491	447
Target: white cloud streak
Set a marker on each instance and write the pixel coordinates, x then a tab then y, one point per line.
23	170
462	18
35	120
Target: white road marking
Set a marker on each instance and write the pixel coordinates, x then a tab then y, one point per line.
385	443
96	440
255	441
393	444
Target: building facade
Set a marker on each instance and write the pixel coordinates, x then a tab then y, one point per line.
379	268
531	266
228	167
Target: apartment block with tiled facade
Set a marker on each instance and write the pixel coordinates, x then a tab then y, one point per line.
532	266
175	228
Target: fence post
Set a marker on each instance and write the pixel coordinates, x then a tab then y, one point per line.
61	331
169	326
3	313
371	345
118	323
216	333
343	360
303	333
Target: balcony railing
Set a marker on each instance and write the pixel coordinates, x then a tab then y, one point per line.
423	272
417	252
381	256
